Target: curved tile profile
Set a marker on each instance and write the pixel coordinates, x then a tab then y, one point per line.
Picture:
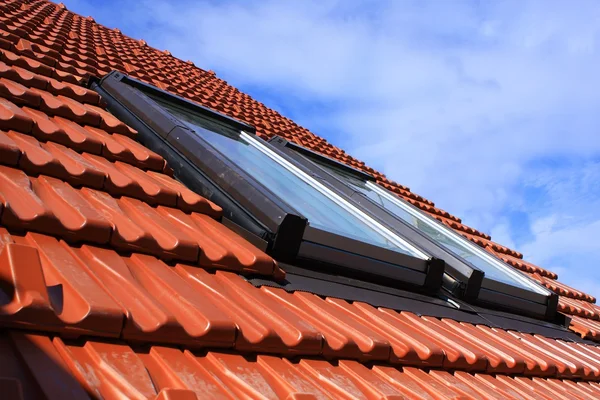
78	93
22	208
12	117
9	150
80	221
47	129
56	160
23	76
157	302
80	139
155	191
63	288
188	200
27	63
18	93
51	293
115	370
132	256
218	245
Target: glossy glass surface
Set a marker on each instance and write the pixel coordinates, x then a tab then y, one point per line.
321	211
433	230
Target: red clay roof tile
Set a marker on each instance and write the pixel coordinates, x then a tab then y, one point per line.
144	158
409	345
578	307
154	190
268	320
138	227
187	200
264	325
55	160
45	53
219	247
49	205
12	117
566	290
74	218
9	150
54	294
25	62
23	76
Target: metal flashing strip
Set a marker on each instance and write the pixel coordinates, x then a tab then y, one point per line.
352	290
425	306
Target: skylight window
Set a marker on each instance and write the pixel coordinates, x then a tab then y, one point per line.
472	272
323	208
301	219
493	268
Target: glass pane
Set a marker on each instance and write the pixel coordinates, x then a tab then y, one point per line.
450	240
322	212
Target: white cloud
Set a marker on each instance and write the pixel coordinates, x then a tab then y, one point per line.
570	250
471	104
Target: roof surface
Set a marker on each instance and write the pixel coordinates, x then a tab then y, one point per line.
116	281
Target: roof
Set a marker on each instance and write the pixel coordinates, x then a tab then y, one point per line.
116	281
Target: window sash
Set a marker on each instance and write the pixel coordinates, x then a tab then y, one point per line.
339	200
459	240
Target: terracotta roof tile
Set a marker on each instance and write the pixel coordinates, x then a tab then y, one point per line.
9	150
267	319
49	205
87	170
162	372
80	139
154	190
566	290
54	160
87	310
219	247
26	62
102	242
139	227
187	200
18	93
68	108
12	117
578	307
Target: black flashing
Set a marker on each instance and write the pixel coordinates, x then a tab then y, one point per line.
351	290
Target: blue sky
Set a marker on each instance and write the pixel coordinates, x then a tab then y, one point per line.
490	109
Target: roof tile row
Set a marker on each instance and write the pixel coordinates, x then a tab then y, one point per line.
61	105
579	307
52	286
94	171
587	328
56	287
51	206
41	367
33	80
